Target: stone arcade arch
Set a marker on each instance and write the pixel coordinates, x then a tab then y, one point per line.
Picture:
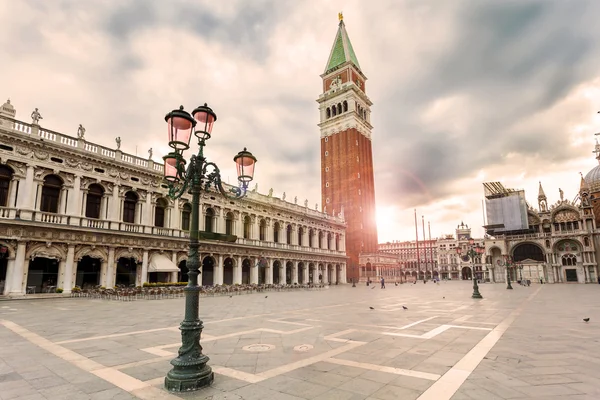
277	272
466	273
289	266
246	270
182	275
301	273
208	270
89	272
228	269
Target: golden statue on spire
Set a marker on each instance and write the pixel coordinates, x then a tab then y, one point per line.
340	17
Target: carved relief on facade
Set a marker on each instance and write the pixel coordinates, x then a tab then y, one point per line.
41	154
113	172
72	162
46	250
182	202
128	253
123	175
86	166
91	251
18	167
23	150
566	216
66	177
142	194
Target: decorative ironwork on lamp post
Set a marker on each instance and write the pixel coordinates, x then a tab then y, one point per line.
190	369
508	263
470	254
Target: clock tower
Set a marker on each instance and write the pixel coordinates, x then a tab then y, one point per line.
347	184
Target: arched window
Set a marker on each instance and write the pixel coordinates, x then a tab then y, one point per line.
320	242
276	229
345	104
333	111
5	177
209	217
186	213
247	225
94	201
300	234
328	112
263	230
310	237
229	223
547	243
289	234
337	242
339	107
569	259
51	194
586	241
159	213
129	207
329	241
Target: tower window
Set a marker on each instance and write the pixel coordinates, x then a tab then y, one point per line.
357	142
326	139
339	107
356	158
333	111
328	112
345	105
326	184
358	175
326	153
326	169
327	200
359	192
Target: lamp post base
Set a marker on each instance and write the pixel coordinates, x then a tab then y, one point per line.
476	295
187	379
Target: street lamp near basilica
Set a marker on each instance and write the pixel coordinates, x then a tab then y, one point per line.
190	369
472	252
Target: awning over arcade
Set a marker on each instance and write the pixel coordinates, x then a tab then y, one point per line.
160	263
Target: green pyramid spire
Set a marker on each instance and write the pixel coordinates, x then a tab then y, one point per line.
342	50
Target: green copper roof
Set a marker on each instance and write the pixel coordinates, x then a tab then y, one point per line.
342	50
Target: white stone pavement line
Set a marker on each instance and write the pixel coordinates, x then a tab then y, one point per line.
374	326
453	379
176	328
254	378
159	350
383	368
140	389
432	333
466	318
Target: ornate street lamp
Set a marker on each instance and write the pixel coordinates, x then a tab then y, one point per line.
472	252
190	369
508	262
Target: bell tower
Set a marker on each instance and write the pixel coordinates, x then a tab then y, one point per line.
346	153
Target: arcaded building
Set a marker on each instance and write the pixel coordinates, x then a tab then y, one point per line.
73	212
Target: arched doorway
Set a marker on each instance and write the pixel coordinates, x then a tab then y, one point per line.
93	204
228	271
289	266
126	271
50	201
466	273
312	273
88	272
208	270
526	251
3	267
43	274
6	174
182	275
301	272
277	272
246	265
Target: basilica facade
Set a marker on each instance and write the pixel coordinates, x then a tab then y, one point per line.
75	213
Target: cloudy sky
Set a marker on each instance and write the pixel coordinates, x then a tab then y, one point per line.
463	91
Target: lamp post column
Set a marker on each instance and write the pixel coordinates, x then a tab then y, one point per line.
190	369
476	294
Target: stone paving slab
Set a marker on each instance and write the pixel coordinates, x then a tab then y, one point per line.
329	344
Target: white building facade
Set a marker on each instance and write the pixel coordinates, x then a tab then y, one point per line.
76	213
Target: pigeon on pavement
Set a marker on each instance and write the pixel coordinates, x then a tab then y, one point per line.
266	297
404	307
586	319
372	308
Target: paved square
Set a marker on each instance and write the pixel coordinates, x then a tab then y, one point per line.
328	344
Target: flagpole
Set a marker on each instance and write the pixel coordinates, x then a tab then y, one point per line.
417	243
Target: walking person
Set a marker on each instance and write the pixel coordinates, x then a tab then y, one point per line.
382	283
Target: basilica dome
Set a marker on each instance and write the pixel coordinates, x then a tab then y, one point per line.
592	178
